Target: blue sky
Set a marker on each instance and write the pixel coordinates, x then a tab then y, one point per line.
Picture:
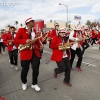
48	10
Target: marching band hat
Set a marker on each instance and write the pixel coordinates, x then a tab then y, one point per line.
12	27
7	29
62	30
86	28
28	20
77	29
56	24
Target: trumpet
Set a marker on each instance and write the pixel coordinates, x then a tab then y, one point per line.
66	46
27	45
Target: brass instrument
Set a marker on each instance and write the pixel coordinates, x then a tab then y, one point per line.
44	38
49	38
27	45
66	46
10	41
85	38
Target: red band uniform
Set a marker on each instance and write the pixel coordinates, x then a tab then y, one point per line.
29	55
61	57
12	47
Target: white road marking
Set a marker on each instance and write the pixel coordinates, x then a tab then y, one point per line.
47	52
89	64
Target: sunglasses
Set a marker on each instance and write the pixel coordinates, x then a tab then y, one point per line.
62	32
32	21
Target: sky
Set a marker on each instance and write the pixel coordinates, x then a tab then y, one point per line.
18	10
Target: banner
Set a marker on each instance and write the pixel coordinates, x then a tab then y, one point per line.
77	17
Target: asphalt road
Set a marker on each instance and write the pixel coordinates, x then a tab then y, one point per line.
85	84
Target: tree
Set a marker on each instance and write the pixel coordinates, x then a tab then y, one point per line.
2	30
50	21
88	23
8	25
16	23
21	25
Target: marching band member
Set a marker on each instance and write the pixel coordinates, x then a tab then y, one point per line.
61	57
12	48
44	37
99	39
76	48
49	37
40	39
55	30
31	55
67	34
93	32
85	43
2	35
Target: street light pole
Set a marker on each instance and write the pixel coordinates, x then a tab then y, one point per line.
66	10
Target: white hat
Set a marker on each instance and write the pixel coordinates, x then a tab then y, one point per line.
28	20
56	24
86	28
7	29
62	30
77	28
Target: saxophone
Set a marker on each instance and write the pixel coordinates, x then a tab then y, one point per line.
85	38
44	38
66	46
27	45
10	41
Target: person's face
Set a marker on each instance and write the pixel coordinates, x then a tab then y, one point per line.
31	23
62	34
12	30
57	27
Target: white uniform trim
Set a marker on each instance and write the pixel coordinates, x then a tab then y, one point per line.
71	37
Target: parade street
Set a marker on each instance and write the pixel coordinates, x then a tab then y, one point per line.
85	84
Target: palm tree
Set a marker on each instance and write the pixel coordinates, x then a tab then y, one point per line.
2	30
88	23
8	25
21	25
16	23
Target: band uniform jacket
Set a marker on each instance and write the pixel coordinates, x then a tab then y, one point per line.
7	37
57	54
21	37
